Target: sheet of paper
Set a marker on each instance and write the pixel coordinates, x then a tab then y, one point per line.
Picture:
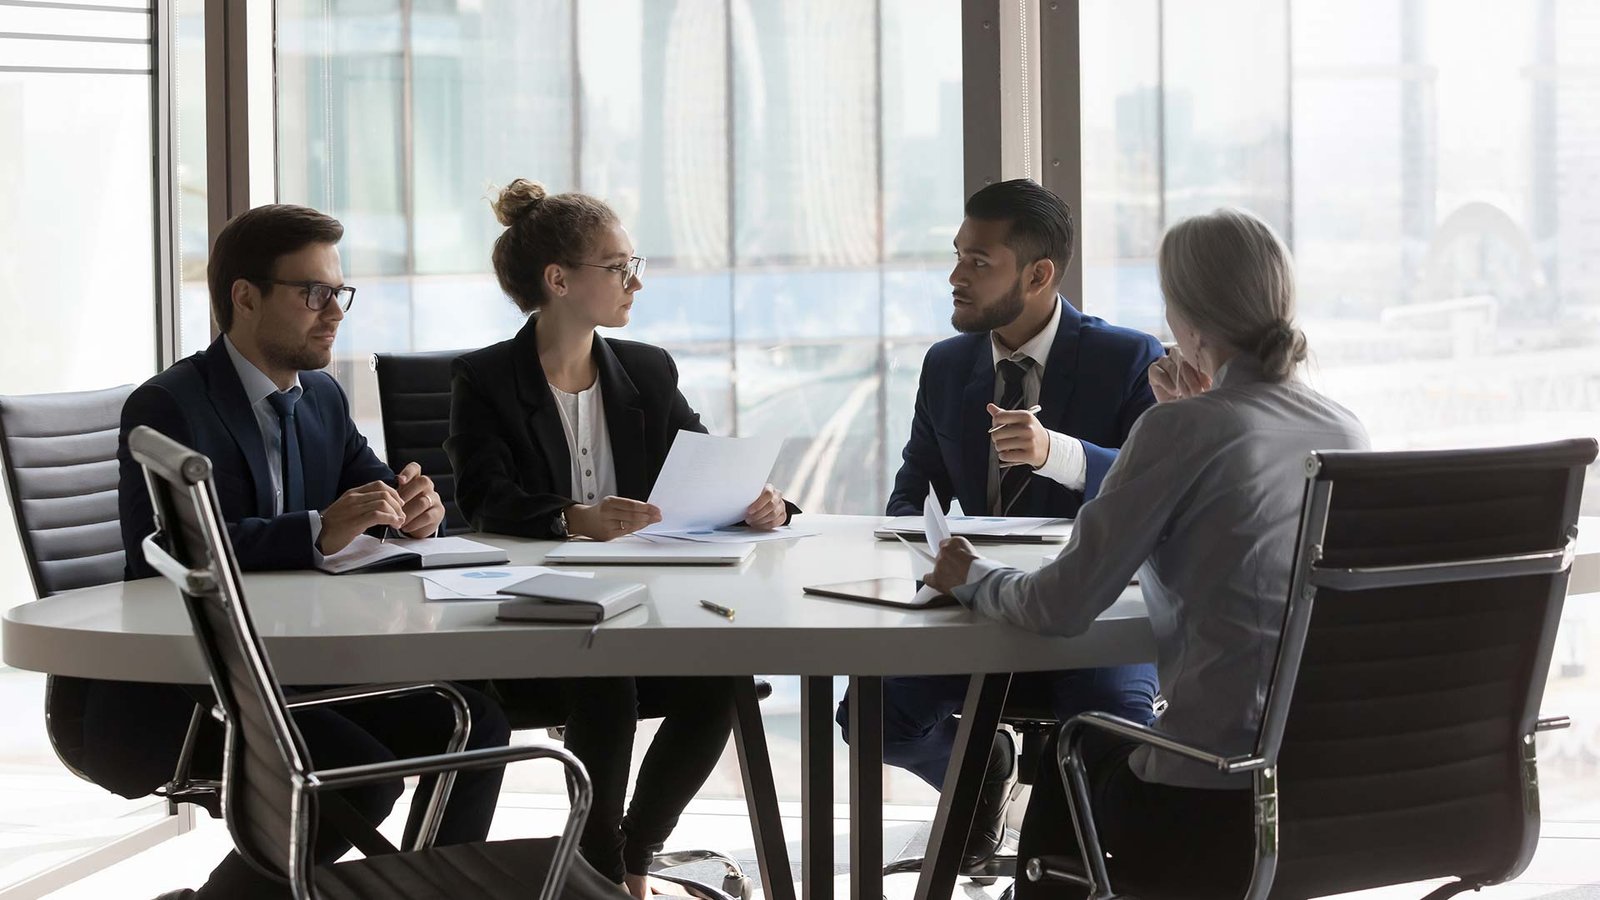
481	584
934	526
709	481
729	535
922	561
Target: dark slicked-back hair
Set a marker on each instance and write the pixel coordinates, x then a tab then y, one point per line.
1041	222
251	243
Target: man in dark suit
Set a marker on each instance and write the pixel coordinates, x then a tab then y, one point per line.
974	437
296	482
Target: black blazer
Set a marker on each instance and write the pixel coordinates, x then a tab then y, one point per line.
507	447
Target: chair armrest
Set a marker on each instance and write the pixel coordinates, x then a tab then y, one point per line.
1552	723
1151	737
433	815
578	776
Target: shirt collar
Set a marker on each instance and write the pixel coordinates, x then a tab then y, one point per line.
1037	348
257	386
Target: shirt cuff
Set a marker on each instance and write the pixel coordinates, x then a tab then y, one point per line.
1066	464
315	518
980	569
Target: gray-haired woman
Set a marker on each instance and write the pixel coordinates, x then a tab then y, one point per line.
1203	503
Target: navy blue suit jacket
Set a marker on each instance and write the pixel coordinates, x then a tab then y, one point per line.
200	403
132	731
1094	388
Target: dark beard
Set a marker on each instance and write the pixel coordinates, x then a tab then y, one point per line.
998	314
304	358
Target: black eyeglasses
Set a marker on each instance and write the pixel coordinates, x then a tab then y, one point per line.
634	268
317	294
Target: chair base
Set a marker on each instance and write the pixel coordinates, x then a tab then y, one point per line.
736	885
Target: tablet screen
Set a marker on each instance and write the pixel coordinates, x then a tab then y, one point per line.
886	591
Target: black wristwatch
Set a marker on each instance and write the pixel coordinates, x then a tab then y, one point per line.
560	525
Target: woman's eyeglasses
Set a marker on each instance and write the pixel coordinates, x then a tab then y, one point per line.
634	268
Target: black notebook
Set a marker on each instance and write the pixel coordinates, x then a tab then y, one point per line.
366	553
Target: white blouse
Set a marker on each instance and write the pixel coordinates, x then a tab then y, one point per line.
583	418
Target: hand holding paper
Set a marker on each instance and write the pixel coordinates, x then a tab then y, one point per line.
707	481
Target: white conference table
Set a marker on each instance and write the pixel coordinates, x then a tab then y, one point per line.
358	628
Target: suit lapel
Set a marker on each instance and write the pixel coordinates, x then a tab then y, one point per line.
973	486
1060	371
544	420
624	424
227	397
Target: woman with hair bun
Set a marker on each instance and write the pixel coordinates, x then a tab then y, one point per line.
557	433
1203	504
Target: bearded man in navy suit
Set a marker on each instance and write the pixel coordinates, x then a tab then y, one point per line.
976	437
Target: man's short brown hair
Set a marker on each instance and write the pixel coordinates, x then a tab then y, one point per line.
251	243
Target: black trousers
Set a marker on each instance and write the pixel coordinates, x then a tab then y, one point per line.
377	731
601	716
1184	842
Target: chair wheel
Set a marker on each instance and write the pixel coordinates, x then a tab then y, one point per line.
984	880
736	885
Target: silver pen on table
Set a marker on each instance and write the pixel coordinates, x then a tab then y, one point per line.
720	610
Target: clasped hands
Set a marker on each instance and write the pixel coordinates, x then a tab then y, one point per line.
614	517
411	507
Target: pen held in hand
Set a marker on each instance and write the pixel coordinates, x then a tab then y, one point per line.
1032	410
720	610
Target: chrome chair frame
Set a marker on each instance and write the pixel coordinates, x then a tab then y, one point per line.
1308	577
220	581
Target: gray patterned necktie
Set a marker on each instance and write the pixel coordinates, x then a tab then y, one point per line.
1014	480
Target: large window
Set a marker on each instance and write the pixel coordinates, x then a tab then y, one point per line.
793	170
1435	166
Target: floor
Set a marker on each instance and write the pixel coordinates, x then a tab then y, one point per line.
1567	866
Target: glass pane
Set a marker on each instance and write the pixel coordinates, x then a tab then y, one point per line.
134	23
189	103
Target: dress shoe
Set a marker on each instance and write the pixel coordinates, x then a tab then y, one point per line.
989	821
180	894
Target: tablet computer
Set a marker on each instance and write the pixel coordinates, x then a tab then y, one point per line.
901	592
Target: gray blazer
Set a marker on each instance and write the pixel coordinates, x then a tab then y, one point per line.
1203	503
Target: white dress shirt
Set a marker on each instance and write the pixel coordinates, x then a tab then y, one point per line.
1065	463
257	388
1203	503
583	418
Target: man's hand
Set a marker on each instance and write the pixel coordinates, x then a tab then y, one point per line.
357	510
951	568
1174	378
1018	437
421	504
768	512
612	517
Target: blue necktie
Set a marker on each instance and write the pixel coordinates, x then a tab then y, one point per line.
294	484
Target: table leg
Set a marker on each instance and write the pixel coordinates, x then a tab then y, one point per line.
761	794
958	802
866	788
816	786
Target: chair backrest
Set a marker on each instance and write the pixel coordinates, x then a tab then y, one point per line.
1427	592
264	757
60	453
414	397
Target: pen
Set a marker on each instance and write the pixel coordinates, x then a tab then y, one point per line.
1032	410
722	611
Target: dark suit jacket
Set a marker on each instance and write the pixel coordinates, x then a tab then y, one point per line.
507	447
133	731
1094	389
199	402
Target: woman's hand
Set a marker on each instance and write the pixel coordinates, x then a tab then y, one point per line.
1174	378
768	512
951	568
612	517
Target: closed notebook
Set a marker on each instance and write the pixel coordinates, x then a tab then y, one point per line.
563	598
366	553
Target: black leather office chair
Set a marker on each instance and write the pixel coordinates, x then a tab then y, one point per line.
1398	742
270	791
60	456
414	399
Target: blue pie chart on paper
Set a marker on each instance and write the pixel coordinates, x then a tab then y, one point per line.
485	574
